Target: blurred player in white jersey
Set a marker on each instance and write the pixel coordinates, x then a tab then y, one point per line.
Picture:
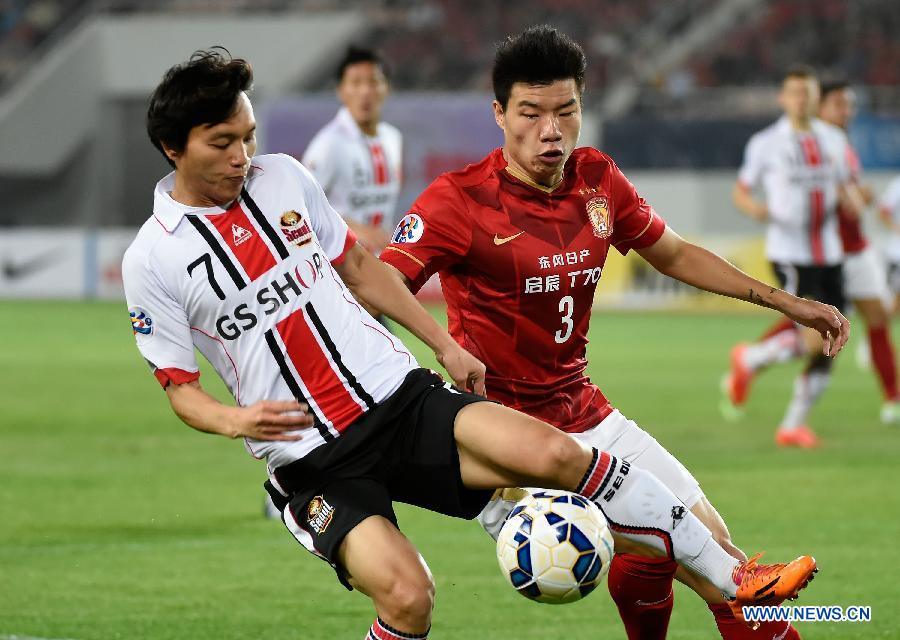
802	165
889	208
356	157
865	281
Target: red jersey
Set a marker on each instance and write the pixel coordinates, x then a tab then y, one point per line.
849	227
518	265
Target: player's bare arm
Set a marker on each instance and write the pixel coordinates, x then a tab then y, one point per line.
373	238
852	199
264	420
698	267
887	219
378	285
748	205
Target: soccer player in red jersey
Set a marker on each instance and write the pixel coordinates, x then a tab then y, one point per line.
520	240
246	262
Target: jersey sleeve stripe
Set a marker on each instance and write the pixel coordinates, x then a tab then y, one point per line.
207	235
408	255
643	231
175	376
264	224
349	241
292	384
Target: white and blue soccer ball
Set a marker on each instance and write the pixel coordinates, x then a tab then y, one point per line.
555	547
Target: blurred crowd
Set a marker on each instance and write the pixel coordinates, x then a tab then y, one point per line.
856	39
448	44
24	25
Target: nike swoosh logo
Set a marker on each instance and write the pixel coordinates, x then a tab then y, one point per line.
16	270
641	603
498	240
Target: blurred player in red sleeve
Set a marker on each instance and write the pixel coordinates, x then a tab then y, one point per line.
520	240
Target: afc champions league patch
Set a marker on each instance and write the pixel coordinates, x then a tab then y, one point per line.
141	323
409	230
295	228
319	514
598	214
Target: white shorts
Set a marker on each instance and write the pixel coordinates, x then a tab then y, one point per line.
624	439
894	277
864	276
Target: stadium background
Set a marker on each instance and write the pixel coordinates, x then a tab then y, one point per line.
118	522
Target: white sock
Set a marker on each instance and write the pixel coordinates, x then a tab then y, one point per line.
783	346
640	507
808	387
716	565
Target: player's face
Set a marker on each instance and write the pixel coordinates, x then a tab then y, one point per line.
838	107
540	126
214	163
362	90
799	97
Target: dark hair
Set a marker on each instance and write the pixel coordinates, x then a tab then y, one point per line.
203	90
355	55
832	85
538	56
803	71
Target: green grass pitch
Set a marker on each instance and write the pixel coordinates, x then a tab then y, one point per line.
120	522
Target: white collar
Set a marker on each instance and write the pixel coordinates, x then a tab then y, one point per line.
169	211
346	120
784	124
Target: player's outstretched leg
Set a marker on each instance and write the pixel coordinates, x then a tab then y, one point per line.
881	351
518	450
379	561
808	388
747	360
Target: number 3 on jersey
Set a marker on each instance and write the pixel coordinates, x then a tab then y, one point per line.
566	307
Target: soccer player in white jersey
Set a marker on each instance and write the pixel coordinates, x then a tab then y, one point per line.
801	165
865	280
889	210
356	157
244	260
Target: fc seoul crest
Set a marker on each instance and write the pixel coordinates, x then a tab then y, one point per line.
409	230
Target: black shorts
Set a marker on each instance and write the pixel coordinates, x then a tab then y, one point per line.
404	450
824	284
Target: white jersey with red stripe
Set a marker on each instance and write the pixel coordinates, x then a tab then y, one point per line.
360	174
252	287
889	205
800	173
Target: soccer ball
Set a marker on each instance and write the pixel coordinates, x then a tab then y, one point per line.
555	547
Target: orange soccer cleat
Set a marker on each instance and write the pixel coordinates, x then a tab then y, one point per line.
740	378
769	584
802	437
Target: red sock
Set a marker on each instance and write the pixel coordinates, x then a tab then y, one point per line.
882	350
380	630
642	590
782	325
733	629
